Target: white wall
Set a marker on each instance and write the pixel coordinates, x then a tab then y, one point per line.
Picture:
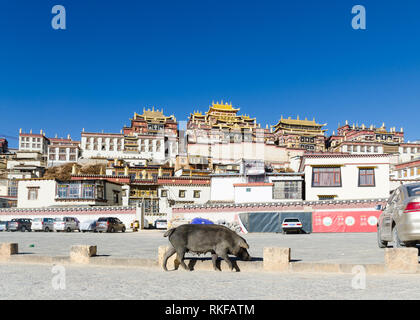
47	195
254	194
350	178
222	187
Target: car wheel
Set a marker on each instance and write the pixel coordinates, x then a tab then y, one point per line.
47	229
123	229
396	240
381	244
68	229
23	229
112	230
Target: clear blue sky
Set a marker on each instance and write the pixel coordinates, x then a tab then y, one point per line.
270	58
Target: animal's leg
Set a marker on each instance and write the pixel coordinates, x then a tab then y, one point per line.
214	260
180	257
223	254
168	254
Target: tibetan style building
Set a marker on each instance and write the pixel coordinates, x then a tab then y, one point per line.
152	134
300	134
221	137
151	137
357	139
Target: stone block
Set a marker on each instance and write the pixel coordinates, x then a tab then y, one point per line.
7	249
276	259
82	253
401	260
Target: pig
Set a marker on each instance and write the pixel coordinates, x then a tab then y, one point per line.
200	239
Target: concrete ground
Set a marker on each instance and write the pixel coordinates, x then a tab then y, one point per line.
317	247
87	282
36	281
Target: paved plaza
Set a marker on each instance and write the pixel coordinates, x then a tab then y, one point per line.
36	281
317	247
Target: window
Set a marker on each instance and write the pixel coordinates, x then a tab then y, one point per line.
182	193
326	177
248	190
74	190
32	193
164	193
88	191
287	190
197	193
367	177
62	190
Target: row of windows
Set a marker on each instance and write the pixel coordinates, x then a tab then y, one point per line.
411	150
182	193
103	147
61	157
27	139
368	149
79	191
409	172
331	177
28	145
62	150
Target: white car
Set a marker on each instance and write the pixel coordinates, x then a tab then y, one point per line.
88	225
67	224
43	224
291	224
161	224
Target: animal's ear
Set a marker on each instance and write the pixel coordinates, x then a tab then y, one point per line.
243	244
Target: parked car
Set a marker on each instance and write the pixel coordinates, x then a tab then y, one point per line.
161	224
88	225
109	224
4	225
43	224
291	225
20	225
399	221
67	224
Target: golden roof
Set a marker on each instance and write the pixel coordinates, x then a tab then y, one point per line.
224	107
299	122
153	114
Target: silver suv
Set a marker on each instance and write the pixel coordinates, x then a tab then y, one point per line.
67	224
399	221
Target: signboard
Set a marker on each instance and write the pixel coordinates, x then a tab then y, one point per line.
345	221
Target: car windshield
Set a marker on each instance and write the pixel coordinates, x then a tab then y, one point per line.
414	190
102	219
58	219
37	219
291	220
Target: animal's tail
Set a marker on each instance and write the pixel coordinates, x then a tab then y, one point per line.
169	232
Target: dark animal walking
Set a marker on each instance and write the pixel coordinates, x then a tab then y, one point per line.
216	239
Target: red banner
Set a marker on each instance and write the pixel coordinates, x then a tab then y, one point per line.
345	221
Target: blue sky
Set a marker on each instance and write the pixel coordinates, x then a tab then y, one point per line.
269	58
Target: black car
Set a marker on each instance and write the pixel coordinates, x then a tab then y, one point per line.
20	225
